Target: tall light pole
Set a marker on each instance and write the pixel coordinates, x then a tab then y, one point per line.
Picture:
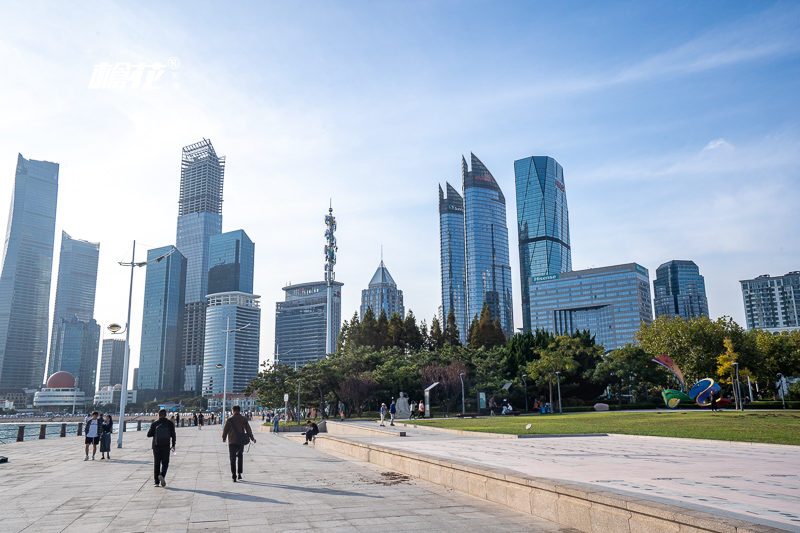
330	276
463	403
75	393
228	332
115	329
558	381
526	391
783	394
738	390
298	400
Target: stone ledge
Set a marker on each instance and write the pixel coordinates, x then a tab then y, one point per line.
343	428
579	507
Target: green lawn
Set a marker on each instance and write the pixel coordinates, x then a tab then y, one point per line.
771	427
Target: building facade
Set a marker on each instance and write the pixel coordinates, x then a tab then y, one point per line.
229	311
679	290
60	393
486	238
772	303
382	294
300	322
73	322
542	224
26	272
112	359
453	259
162	324
611	302
199	217
231	262
112	396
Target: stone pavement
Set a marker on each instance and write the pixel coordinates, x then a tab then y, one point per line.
47	487
754	482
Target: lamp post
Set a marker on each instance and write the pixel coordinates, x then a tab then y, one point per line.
75	393
558	382
738	389
115	329
299	380
463	404
783	394
228	332
526	391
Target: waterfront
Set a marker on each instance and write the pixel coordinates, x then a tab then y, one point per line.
8	431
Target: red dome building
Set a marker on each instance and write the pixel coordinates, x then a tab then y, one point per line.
61	380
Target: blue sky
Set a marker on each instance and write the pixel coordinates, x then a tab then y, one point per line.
676	124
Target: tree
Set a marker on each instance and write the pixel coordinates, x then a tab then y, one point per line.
395	332
451	333
485	332
382	331
436	335
626	367
271	383
522	347
369	329
448	376
412	335
356	390
557	357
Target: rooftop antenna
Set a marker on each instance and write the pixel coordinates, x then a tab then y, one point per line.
381	254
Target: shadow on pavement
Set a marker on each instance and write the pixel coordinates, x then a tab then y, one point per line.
332	492
229	496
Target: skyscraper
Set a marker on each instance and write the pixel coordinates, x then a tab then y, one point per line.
26	272
199	217
231	262
486	238
542	224
162	324
453	258
111	361
75	295
680	290
772	303
382	294
229	311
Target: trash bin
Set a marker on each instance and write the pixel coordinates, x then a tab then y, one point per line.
544	409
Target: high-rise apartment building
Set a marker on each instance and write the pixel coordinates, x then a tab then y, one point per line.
112	358
772	303
611	302
542	224
301	322
228	311
486	238
26	272
162	323
75	295
382	294
453	259
679	290
199	217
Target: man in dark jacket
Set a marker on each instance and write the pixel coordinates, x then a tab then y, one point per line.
238	429
163	432
311	432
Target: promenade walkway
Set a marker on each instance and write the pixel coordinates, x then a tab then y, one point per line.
47	487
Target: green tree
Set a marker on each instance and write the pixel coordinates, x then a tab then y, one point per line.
412	335
558	357
627	367
382	331
369	329
436	336
395	332
522	348
451	334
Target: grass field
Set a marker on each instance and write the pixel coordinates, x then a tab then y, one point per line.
771	427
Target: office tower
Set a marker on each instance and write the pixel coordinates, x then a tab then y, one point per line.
111	361
453	259
162	323
228	311
300	322
231	262
611	302
382	294
772	303
486	238
75	294
679	290
542	224
26	272
135	378
199	217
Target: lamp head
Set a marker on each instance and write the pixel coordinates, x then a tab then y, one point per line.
218	365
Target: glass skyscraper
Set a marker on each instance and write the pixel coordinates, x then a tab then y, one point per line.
382	294
111	360
162	324
772	303
486	239
453	258
26	272
228	311
75	295
199	217
300	322
542	224
680	290
231	262
74	350
611	302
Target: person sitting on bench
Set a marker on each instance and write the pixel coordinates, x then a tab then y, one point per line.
312	431
507	408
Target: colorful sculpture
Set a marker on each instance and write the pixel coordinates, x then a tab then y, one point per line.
700	393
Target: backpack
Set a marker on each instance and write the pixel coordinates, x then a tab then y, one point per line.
162	435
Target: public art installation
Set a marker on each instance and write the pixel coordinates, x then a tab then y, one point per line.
700	393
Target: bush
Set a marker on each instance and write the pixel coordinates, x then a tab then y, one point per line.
630	406
771	405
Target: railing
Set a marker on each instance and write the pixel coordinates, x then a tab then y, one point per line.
63	432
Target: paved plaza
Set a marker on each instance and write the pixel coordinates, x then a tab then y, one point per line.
47	487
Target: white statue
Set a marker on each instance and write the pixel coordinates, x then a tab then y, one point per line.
402	407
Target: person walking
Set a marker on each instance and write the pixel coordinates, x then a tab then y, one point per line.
200	421
93	433
194	419
341	410
238	429
276	423
392	412
492	406
421	409
107	429
383	414
177	420
311	432
162	431
713	402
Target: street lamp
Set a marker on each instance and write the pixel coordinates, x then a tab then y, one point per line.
558	381
463	404
526	391
299	380
738	389
228	332
116	329
783	394
75	392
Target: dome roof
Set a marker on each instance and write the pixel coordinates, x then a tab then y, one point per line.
118	386
104	388
61	380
